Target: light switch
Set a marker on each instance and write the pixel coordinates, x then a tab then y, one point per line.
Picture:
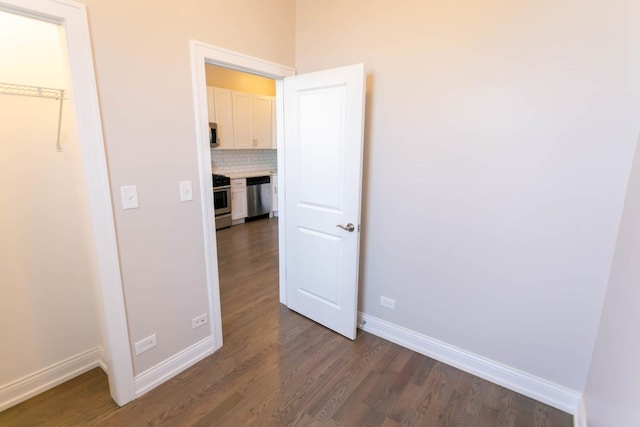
186	191
129	196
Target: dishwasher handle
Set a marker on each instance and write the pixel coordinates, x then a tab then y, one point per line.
258	180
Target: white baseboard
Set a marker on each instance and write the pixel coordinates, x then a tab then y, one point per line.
529	385
30	385
172	366
580	418
102	360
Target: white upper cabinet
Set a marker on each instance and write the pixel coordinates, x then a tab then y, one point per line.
211	107
274	139
242	120
262	121
223	116
245	120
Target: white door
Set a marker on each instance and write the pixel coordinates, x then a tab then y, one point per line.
223	116
324	116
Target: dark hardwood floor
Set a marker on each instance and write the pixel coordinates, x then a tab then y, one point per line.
277	368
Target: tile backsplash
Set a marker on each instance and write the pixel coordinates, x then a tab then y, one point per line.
223	161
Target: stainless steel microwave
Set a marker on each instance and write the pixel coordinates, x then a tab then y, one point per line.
214	140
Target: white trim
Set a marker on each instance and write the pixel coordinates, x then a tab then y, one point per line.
206	195
282	208
217	55
202	53
102	361
580	418
45	379
529	385
172	366
73	17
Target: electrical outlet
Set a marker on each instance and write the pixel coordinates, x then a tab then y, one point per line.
388	302
200	320
146	344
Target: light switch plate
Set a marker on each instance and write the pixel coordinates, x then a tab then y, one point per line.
186	191
129	196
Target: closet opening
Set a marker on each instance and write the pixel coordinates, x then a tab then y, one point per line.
61	302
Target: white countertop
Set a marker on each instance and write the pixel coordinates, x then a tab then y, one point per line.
248	174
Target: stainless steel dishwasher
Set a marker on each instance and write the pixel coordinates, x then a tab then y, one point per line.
258	197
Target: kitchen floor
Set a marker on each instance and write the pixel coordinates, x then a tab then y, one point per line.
248	269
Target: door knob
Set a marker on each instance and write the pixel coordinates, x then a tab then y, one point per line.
350	227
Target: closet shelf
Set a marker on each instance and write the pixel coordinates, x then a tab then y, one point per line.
39	92
21	90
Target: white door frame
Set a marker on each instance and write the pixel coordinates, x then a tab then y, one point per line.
115	336
202	53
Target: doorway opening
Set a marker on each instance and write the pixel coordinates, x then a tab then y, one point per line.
325	121
203	55
241	109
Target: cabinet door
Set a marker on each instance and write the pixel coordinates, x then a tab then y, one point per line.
274	140
242	120
211	107
238	203
224	116
261	115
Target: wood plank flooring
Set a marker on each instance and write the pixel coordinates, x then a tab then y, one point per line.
277	368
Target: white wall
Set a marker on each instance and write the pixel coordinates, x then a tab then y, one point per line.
611	396
499	138
48	309
141	54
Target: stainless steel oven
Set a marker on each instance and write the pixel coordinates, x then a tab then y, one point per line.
222	201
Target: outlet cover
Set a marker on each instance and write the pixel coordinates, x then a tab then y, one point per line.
200	320
388	302
146	344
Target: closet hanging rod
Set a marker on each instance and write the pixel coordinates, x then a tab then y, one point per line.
36	91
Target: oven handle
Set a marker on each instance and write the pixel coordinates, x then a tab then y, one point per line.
224	187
